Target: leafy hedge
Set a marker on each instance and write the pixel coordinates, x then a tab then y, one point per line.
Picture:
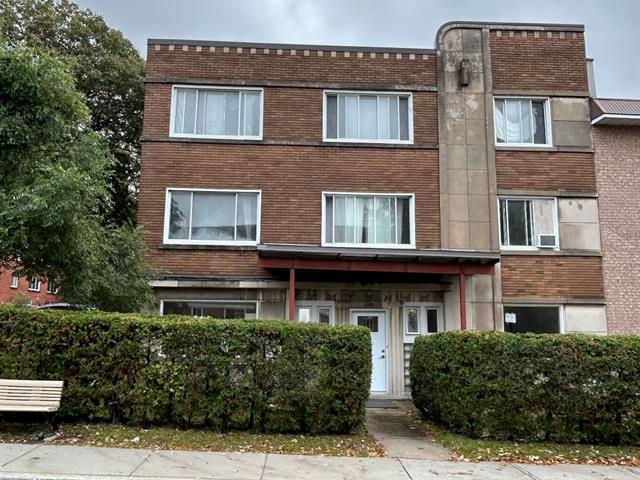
271	376
563	388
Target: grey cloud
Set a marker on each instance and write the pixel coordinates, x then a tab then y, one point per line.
612	27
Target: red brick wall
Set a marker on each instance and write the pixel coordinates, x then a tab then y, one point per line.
535	170
8	294
539	63
291	113
617	165
292	179
551	276
245	66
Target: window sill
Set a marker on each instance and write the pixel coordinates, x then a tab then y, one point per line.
370	245
182	246
566	253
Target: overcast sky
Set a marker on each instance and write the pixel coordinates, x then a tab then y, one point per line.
612	26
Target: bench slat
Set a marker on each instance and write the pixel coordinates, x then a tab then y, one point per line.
27	408
31	383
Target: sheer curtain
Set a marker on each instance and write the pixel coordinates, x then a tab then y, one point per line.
213	216
246	217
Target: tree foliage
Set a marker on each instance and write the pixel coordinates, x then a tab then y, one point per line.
108	71
54	172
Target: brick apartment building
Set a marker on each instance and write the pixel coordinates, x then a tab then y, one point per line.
14	288
616	140
407	190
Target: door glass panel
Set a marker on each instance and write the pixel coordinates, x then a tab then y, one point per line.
413	321
432	320
324	315
369	321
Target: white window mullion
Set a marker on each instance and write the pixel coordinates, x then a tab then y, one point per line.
337	115
506	216
375	223
333	217
377	117
184	110
190	214
532	122
395	216
239	112
195	120
235	220
358	118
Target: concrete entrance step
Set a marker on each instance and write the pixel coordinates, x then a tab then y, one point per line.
401	435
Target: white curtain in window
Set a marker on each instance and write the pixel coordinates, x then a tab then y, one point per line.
213	216
246	217
385	220
179	112
214	117
368	117
501	134
251	113
364	220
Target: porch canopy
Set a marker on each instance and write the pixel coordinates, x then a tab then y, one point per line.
356	259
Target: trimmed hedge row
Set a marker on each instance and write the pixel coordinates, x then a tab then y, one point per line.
562	388
269	376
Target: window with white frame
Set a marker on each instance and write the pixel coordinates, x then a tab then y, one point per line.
15	278
34	284
216	309
368	219
368	117
421	319
52	287
528	223
533	319
522	121
212	217
213	112
316	312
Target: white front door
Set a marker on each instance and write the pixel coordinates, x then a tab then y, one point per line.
376	322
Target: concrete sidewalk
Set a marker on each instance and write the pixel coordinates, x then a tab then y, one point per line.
19	461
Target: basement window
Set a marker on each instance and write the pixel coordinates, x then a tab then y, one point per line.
316	312
378	117
532	319
522	121
194	308
215	112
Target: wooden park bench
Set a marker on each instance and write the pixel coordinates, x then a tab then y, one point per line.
31	396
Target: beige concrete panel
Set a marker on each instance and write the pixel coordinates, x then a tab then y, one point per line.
570	109
483	316
458	234
477	157
457	157
458	208
451	61
451	83
474	106
457	182
454	103
585	319
452	304
480	236
478	182
577	210
580	236
472	40
482	288
476	133
455	131
478	208
572	134
476	84
453	40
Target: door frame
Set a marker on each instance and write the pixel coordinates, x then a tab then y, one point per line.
386	343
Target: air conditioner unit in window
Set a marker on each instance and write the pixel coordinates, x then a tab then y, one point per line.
546	241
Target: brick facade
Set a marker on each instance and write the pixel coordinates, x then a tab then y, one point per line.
9	294
617	163
292	165
546	171
539	60
551	277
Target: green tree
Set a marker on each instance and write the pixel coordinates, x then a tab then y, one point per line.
54	172
109	72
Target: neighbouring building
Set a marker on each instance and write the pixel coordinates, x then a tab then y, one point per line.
616	140
32	290
407	190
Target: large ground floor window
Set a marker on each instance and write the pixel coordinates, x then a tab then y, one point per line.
532	319
216	309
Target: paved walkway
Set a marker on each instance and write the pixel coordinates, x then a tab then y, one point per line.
47	462
401	435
